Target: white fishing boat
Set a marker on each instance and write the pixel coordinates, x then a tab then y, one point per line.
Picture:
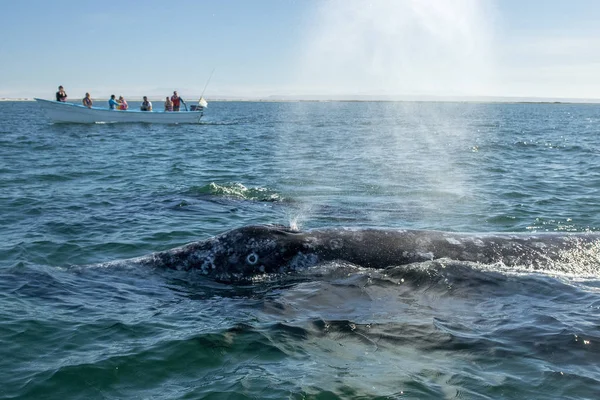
61	112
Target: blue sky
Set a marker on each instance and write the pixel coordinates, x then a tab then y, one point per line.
528	48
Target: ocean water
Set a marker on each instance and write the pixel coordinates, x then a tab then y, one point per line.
73	197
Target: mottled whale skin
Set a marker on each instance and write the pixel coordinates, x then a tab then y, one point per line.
241	254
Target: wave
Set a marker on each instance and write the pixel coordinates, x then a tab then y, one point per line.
237	191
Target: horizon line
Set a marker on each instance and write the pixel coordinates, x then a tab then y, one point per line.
360	98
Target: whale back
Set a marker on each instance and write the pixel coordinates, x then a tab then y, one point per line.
242	254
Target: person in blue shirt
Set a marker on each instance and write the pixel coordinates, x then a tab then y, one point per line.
112	103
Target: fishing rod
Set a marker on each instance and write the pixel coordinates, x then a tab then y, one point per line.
207	82
203	103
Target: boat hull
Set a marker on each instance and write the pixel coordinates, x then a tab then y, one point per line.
59	112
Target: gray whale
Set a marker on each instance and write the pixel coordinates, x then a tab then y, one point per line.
241	254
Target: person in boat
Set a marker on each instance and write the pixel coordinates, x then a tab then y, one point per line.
176	101
87	101
168	104
122	103
146	105
113	103
61	95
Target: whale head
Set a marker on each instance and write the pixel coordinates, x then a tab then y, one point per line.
243	254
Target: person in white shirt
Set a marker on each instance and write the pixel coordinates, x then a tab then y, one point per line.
146	105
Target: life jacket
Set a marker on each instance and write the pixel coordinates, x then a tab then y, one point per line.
176	100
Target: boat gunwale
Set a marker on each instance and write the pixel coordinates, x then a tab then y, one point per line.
64	103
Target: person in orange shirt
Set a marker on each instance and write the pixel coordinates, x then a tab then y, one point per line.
122	104
176	100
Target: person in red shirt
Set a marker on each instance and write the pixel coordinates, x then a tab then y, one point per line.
176	100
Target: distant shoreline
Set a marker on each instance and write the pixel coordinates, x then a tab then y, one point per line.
278	99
